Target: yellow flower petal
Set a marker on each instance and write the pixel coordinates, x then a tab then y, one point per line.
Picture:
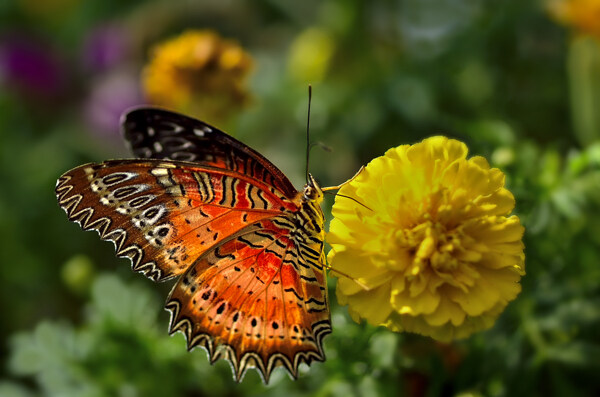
447	311
371	276
404	303
371	305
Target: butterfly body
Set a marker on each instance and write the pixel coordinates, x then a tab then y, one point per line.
245	246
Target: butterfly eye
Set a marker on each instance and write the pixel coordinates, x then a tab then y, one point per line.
309	193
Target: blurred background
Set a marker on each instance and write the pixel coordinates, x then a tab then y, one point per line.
518	81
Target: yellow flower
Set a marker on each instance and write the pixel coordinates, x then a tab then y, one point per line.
198	73
435	252
583	15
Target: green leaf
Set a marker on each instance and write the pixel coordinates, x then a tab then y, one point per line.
122	305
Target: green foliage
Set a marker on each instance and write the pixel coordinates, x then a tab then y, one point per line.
584	75
119	350
498	75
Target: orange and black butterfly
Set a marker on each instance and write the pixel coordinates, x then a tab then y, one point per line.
245	247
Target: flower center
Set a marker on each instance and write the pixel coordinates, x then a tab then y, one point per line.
430	244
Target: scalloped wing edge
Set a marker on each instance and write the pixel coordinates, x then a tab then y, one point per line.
249	359
83	217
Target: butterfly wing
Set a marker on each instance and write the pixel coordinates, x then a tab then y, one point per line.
229	210
164	214
161	134
258	300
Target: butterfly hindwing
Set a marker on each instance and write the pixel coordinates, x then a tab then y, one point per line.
255	301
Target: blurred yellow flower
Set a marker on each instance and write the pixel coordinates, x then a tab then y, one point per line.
198	73
436	251
310	55
582	15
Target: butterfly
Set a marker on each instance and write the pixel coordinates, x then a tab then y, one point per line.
245	247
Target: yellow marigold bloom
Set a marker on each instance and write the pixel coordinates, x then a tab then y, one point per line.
583	15
436	253
198	73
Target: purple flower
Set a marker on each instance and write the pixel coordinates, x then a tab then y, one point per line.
110	96
30	67
105	48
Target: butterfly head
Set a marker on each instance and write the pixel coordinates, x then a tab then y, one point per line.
312	191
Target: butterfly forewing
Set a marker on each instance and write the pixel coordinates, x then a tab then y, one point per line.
163	215
247	247
160	134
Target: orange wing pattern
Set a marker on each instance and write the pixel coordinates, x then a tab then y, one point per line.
164	215
258	301
246	246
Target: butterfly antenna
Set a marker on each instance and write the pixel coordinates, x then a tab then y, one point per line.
349	277
348	197
307	130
